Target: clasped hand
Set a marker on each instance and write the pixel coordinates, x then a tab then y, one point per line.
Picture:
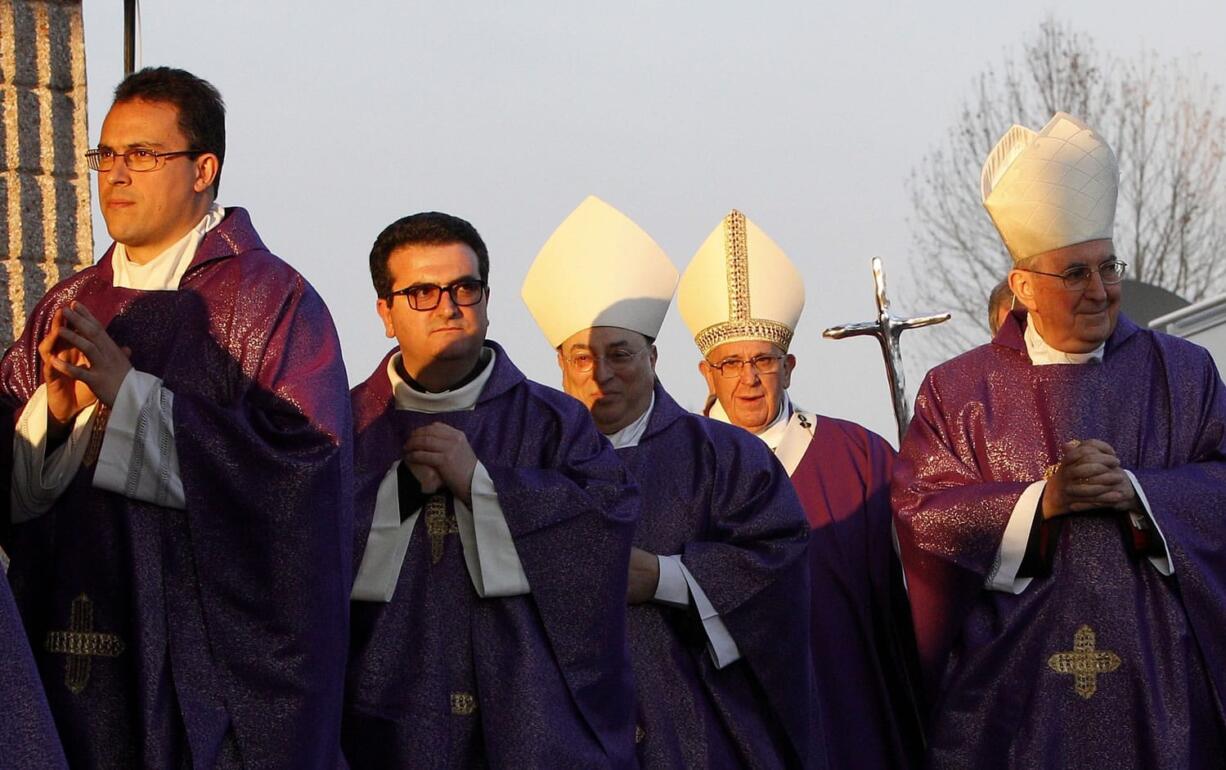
438	455
81	364
1088	477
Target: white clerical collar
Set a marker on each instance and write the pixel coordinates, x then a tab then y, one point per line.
461	399
163	272
631	434
1042	354
772	434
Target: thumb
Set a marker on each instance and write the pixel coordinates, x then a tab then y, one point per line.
127	351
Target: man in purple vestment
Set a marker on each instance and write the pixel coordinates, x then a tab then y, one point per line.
862	644
1059	498
718	589
181	469
493	531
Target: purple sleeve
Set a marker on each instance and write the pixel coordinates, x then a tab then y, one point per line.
267	477
573	524
950	522
1188	500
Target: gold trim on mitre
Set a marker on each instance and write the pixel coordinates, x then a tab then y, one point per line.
740	286
736	258
750	329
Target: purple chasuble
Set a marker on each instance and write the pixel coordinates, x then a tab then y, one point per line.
1104	662
441	678
716	495
863	645
216	634
28	740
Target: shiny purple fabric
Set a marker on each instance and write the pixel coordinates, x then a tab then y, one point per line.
549	671
987	424
27	733
863	645
232	613
715	495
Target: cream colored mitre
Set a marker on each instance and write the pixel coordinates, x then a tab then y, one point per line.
1050	189
740	286
599	269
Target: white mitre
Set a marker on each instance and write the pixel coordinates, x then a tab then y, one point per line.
599	269
740	286
1050	189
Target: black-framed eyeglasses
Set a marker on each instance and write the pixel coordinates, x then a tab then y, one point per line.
1077	278
763	364
618	359
138	159
426	296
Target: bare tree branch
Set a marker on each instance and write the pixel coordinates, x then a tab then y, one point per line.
1165	121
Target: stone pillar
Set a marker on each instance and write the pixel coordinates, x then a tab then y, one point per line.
45	232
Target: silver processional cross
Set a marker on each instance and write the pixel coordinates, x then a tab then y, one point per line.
887	329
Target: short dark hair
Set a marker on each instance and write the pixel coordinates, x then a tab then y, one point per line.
428	228
202	113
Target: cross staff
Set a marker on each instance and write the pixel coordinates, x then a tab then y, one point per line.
887	329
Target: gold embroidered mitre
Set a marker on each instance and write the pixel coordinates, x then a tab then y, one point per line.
1050	189
740	286
599	269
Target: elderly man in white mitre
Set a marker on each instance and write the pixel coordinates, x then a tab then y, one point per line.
741	298
1059	500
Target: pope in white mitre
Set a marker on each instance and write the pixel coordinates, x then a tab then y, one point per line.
741	298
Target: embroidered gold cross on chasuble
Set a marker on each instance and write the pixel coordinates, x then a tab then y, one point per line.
81	643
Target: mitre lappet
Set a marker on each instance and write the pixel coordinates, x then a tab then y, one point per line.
740	286
599	268
1049	189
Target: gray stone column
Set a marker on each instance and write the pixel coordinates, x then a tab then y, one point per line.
45	232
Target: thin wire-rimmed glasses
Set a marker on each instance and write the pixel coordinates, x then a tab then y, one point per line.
1077	278
619	360
763	364
426	296
138	159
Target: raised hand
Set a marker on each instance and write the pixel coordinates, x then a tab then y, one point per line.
66	395
105	365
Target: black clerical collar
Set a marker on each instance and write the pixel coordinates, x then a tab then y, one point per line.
483	360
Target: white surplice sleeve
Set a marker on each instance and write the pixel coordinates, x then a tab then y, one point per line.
678	587
39	478
489	551
138	457
387	544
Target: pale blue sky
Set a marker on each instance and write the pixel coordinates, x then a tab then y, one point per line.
807	116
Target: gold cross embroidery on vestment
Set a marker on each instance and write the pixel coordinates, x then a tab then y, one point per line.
81	643
1084	662
440	522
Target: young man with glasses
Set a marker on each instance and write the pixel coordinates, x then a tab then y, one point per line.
718	587
1059	498
493	530
741	298
181	481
